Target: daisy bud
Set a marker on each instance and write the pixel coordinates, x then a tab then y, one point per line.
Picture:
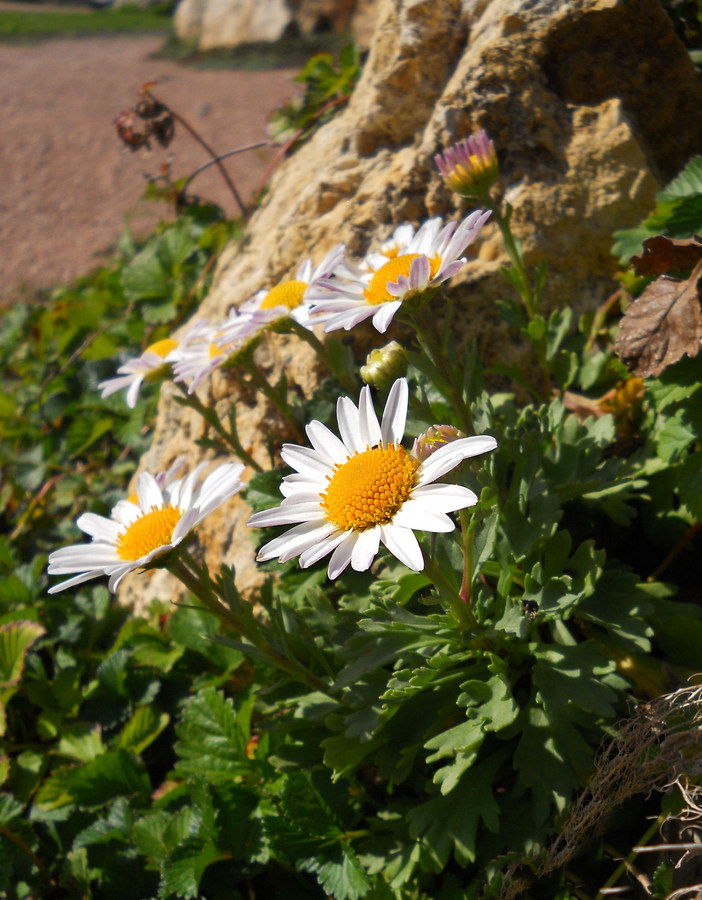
470	167
435	437
384	365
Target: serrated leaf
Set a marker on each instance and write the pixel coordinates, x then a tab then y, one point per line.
113	774
142	729
687	182
212	742
341	877
184	867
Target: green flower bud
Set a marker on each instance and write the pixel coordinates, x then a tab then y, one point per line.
384	365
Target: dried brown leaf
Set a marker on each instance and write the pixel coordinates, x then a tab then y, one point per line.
662	254
662	325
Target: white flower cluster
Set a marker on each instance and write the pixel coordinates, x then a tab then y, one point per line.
336	294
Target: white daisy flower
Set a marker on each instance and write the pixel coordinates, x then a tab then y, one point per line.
152	364
286	299
140	529
353	494
432	256
201	352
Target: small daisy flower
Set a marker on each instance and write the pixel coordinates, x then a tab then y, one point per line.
201	352
286	299
470	167
152	365
353	494
432	256
142	528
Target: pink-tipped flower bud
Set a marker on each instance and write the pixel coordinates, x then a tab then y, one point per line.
433	438
384	365
470	167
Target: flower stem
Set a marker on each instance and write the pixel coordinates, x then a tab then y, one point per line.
529	296
272	395
467	541
230	438
454	394
463	613
202	587
344	377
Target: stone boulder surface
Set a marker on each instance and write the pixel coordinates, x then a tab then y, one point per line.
230	23
592	105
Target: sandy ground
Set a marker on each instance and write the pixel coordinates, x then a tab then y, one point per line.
67	182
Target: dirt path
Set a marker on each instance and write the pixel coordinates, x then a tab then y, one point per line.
66	181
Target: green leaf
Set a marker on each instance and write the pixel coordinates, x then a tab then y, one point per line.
81	743
145	278
572	677
341	877
142	729
212	742
450	823
686	183
111	775
185	865
15	639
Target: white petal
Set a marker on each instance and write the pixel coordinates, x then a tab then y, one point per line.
367	419
450	455
306	461
444	497
341	556
385	314
313	554
296	540
419	273
118	574
98	527
402	543
416	516
365	549
148	492
326	442
72	582
133	392
349	425
288	513
112	385
395	413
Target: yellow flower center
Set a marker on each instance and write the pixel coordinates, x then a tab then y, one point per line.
377	291
370	487
152	530
287	293
162	348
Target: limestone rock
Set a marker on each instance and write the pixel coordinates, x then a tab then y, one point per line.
229	23
579	97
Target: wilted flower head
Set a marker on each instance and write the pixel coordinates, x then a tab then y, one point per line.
435	437
470	167
148	118
384	365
